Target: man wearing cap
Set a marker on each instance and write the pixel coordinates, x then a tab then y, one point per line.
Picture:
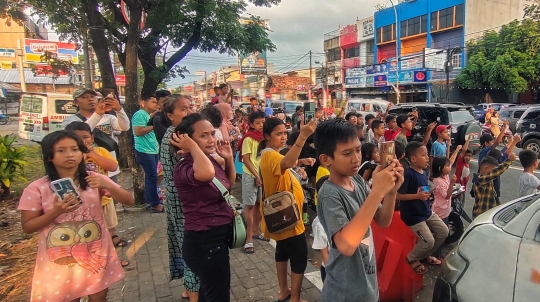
441	146
96	116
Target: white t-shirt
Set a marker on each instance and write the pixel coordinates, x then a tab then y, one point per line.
320	240
370	136
528	184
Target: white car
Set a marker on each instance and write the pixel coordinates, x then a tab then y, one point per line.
497	258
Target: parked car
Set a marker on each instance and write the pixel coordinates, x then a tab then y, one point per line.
512	114
481	109
528	127
496	259
366	106
459	117
288	106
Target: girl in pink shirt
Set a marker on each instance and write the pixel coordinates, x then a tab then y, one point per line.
440	170
75	256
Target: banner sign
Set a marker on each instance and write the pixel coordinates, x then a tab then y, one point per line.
7	53
253	63
355	82
34	48
381	80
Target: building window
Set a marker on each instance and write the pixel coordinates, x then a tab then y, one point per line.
413	26
447	18
333	54
456	60
352	52
386	34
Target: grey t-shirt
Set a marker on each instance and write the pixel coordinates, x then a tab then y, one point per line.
347	278
528	184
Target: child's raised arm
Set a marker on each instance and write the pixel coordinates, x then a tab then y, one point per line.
515	140
108	164
454	156
466	146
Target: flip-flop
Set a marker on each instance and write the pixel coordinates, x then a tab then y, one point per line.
431	261
124	263
120	242
284	300
418	269
248	248
261	238
154	210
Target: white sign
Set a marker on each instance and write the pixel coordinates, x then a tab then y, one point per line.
200	73
434	59
10	53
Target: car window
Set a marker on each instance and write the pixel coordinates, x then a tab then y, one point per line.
504	113
518	113
65	107
533	115
478	107
290	108
496	107
428	115
461	116
31	104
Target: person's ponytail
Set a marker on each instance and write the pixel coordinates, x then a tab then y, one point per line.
262	146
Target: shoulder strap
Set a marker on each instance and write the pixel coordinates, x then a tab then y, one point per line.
224	192
79	115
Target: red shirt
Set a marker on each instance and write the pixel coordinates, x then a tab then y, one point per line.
460	165
390	135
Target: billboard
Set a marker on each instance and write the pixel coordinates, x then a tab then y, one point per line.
253	63
34	48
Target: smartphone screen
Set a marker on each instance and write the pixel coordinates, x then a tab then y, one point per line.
387	152
309	111
63	187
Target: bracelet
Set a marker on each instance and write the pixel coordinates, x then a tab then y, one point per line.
297	145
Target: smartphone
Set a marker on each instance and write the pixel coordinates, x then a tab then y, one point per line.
63	187
428	189
309	111
388	153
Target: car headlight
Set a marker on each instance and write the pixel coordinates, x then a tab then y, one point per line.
454	266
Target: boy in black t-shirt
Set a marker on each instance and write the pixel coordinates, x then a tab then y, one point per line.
413	195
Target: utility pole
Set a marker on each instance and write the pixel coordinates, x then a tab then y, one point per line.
87	66
448	67
20	55
310	77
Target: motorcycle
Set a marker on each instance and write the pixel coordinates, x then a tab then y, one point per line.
455	224
486	129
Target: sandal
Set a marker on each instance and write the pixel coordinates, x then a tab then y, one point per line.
120	242
417	267
431	261
154	210
261	238
124	263
248	248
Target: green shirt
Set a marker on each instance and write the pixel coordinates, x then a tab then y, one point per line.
145	143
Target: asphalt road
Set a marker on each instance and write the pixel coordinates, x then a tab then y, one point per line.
13	128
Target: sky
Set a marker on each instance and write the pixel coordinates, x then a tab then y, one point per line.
297	27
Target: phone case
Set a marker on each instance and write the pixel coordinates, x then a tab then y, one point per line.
309	111
387	153
63	187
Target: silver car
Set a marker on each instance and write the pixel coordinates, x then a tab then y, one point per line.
497	258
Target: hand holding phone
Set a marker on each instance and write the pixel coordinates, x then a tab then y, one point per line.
387	153
70	203
64	186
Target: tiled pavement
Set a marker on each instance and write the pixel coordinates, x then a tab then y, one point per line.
147	277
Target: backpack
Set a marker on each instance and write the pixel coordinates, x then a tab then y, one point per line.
101	138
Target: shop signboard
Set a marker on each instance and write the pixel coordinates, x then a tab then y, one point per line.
381	80
355	82
370	81
412	62
355	72
7	53
420	76
34	49
411	76
253	63
434	59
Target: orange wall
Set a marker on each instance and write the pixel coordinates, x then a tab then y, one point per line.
414	45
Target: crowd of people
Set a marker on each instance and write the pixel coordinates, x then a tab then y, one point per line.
197	155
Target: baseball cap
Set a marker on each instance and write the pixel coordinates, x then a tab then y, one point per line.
441	128
82	91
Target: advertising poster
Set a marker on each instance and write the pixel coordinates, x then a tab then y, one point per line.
253	63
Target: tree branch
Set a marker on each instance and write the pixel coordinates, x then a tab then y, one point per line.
193	41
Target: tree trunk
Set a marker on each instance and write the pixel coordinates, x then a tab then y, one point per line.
99	43
132	96
148	63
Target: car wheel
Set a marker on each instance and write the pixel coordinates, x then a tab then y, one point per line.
455	228
532	144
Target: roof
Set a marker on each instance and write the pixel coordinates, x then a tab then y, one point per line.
12	76
9	88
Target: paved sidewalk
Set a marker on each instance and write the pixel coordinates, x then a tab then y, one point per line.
147	277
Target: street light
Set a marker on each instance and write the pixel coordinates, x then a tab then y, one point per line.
448	67
396	87
325	81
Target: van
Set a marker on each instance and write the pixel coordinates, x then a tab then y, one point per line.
366	106
42	113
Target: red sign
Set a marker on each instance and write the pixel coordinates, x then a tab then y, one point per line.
188	88
348	35
120	79
125	12
274	90
46	70
267	95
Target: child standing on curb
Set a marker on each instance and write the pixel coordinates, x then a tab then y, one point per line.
346	209
75	255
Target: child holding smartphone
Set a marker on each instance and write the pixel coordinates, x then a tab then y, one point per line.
75	256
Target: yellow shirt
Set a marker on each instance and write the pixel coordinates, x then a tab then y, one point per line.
250	146
275	180
321	171
91	165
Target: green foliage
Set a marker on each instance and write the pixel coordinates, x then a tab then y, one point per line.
204	25
507	60
12	160
53	65
12	11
